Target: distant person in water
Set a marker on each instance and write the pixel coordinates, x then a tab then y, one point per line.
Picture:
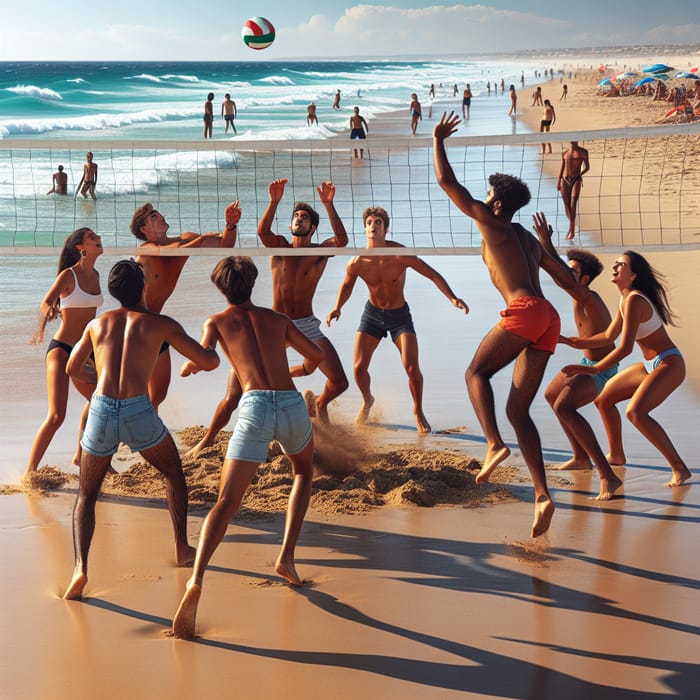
358	130
88	181
336	100
125	343
311	117
255	340
209	115
60	182
229	113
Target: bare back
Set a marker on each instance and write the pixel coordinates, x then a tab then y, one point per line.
255	340
294	282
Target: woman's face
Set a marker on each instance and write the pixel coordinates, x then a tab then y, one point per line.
622	274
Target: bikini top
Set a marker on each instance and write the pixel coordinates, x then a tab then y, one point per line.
78	299
654	322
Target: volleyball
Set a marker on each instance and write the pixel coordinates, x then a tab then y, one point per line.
258	33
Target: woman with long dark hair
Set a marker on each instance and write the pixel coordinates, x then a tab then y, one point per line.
74	298
642	316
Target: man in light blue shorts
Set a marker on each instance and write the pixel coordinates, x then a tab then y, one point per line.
270	408
126	343
568	394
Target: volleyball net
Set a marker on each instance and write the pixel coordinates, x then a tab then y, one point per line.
642	191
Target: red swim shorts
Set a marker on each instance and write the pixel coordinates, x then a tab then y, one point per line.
533	318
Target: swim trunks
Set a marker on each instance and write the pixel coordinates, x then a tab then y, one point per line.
357	134
378	322
229	117
266	415
651	365
601	378
110	421
535	319
467	101
53	344
545	122
310	326
208	118
571	180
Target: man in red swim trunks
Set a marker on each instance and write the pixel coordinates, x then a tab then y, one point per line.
529	329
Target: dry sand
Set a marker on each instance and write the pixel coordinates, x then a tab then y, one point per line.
419	584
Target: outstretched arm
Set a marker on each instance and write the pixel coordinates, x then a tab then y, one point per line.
326	193
271	240
202	355
422	267
227	239
344	292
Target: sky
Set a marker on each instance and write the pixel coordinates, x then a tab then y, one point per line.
156	30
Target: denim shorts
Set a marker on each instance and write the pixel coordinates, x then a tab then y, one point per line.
378	322
266	415
111	421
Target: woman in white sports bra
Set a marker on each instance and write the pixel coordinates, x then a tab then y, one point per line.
74	298
641	317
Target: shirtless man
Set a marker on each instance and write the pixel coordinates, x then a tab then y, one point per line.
294	282
574	165
537	96
255	341
125	343
415	111
529	330
208	115
466	101
336	100
387	310
358	130
89	179
60	182
229	113
163	272
548	118
567	394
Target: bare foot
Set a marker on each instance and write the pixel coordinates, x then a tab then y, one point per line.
193	452
285	568
184	556
608	486
363	414
322	412
544	510
573	464
570	236
310	400
680	476
186	615
618	460
491	461
76	587
422	424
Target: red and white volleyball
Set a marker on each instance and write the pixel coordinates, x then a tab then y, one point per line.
258	33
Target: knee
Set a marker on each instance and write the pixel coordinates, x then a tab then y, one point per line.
55	418
635	416
413	371
516	414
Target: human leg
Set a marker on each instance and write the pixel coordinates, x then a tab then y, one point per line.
222	415
407	343
496	350
336	382
652	392
527	376
620	388
575	193
92	473
365	345
236	475
165	458
57	385
298	504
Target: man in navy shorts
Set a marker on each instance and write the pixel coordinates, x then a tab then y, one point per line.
126	343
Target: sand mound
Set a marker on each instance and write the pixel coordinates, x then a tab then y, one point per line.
351	476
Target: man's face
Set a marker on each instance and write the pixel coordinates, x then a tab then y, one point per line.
575	267
155	227
374	228
301	223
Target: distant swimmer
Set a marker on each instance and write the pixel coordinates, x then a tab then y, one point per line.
336	100
415	111
574	165
208	115
87	183
229	113
358	130
311	117
60	182
466	101
513	101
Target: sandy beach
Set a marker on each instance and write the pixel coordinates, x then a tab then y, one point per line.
418	583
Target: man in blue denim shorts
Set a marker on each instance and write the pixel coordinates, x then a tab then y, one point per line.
126	343
567	394
255	339
387	310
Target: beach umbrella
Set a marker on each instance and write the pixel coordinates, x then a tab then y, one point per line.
660	76
694	69
627	74
604	81
657	68
684	75
644	81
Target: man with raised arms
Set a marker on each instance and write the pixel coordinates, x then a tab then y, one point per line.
125	343
294	283
387	310
255	340
163	272
567	394
529	330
